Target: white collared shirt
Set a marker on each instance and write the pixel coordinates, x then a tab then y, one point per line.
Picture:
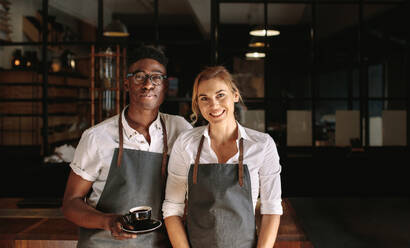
94	153
259	154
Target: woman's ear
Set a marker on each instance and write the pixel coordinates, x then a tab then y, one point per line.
235	97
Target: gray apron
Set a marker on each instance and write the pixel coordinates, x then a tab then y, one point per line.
136	178
220	209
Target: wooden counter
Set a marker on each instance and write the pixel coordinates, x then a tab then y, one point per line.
47	228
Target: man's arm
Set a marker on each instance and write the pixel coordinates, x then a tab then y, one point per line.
80	213
176	232
269	230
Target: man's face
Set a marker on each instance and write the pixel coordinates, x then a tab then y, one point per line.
146	95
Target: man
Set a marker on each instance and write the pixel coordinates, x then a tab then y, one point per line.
122	161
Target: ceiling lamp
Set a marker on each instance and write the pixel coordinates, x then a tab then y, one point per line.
255	55
257	42
116	29
261	31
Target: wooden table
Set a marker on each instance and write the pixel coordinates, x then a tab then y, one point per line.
47	228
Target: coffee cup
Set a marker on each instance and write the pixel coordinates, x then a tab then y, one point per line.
138	214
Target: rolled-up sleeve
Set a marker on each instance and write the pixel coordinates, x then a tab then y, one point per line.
86	162
269	180
176	188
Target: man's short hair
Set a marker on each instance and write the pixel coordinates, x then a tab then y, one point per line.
147	52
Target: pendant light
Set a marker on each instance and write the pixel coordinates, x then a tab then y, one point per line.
254	55
116	29
256	42
261	31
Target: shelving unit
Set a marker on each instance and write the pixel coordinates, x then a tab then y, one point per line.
97	91
21	111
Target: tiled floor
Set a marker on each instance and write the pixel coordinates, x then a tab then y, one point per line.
355	222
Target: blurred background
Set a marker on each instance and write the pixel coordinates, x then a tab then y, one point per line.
329	81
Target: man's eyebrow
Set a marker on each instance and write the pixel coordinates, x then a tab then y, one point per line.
136	71
156	71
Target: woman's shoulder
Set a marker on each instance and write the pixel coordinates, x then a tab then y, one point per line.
257	136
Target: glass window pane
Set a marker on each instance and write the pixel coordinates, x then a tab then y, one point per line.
326	120
289	58
376	80
385	46
337	43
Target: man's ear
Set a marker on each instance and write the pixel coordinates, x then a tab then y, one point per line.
126	84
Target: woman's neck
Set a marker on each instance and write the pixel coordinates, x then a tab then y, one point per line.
223	132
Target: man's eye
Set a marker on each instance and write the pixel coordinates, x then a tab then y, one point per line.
156	77
139	77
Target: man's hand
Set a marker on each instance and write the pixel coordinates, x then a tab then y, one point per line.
115	222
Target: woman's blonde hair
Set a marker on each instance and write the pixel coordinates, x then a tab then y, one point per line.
208	73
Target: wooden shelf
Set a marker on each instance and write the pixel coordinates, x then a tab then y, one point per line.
21	107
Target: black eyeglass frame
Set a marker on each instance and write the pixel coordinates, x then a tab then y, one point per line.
163	77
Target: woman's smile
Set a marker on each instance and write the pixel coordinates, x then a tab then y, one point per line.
216	101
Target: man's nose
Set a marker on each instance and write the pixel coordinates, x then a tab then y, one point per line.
147	83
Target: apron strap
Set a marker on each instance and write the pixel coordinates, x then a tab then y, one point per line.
121	140
240	166
164	152
198	155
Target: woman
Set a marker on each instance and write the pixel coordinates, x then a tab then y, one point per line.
222	168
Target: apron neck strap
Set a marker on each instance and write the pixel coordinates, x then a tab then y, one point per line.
121	140
164	152
240	166
198	155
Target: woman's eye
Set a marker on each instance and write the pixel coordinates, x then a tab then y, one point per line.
221	95
203	98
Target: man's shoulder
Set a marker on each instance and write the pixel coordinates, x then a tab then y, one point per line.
102	127
175	122
173	118
192	134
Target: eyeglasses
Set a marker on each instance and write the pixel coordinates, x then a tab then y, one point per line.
140	77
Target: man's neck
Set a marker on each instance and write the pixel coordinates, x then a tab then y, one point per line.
140	119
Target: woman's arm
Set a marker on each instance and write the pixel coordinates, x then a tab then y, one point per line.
175	193
270	195
176	232
269	230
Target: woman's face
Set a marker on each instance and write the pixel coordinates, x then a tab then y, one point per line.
216	101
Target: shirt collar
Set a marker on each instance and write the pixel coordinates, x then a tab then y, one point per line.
130	132
241	132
